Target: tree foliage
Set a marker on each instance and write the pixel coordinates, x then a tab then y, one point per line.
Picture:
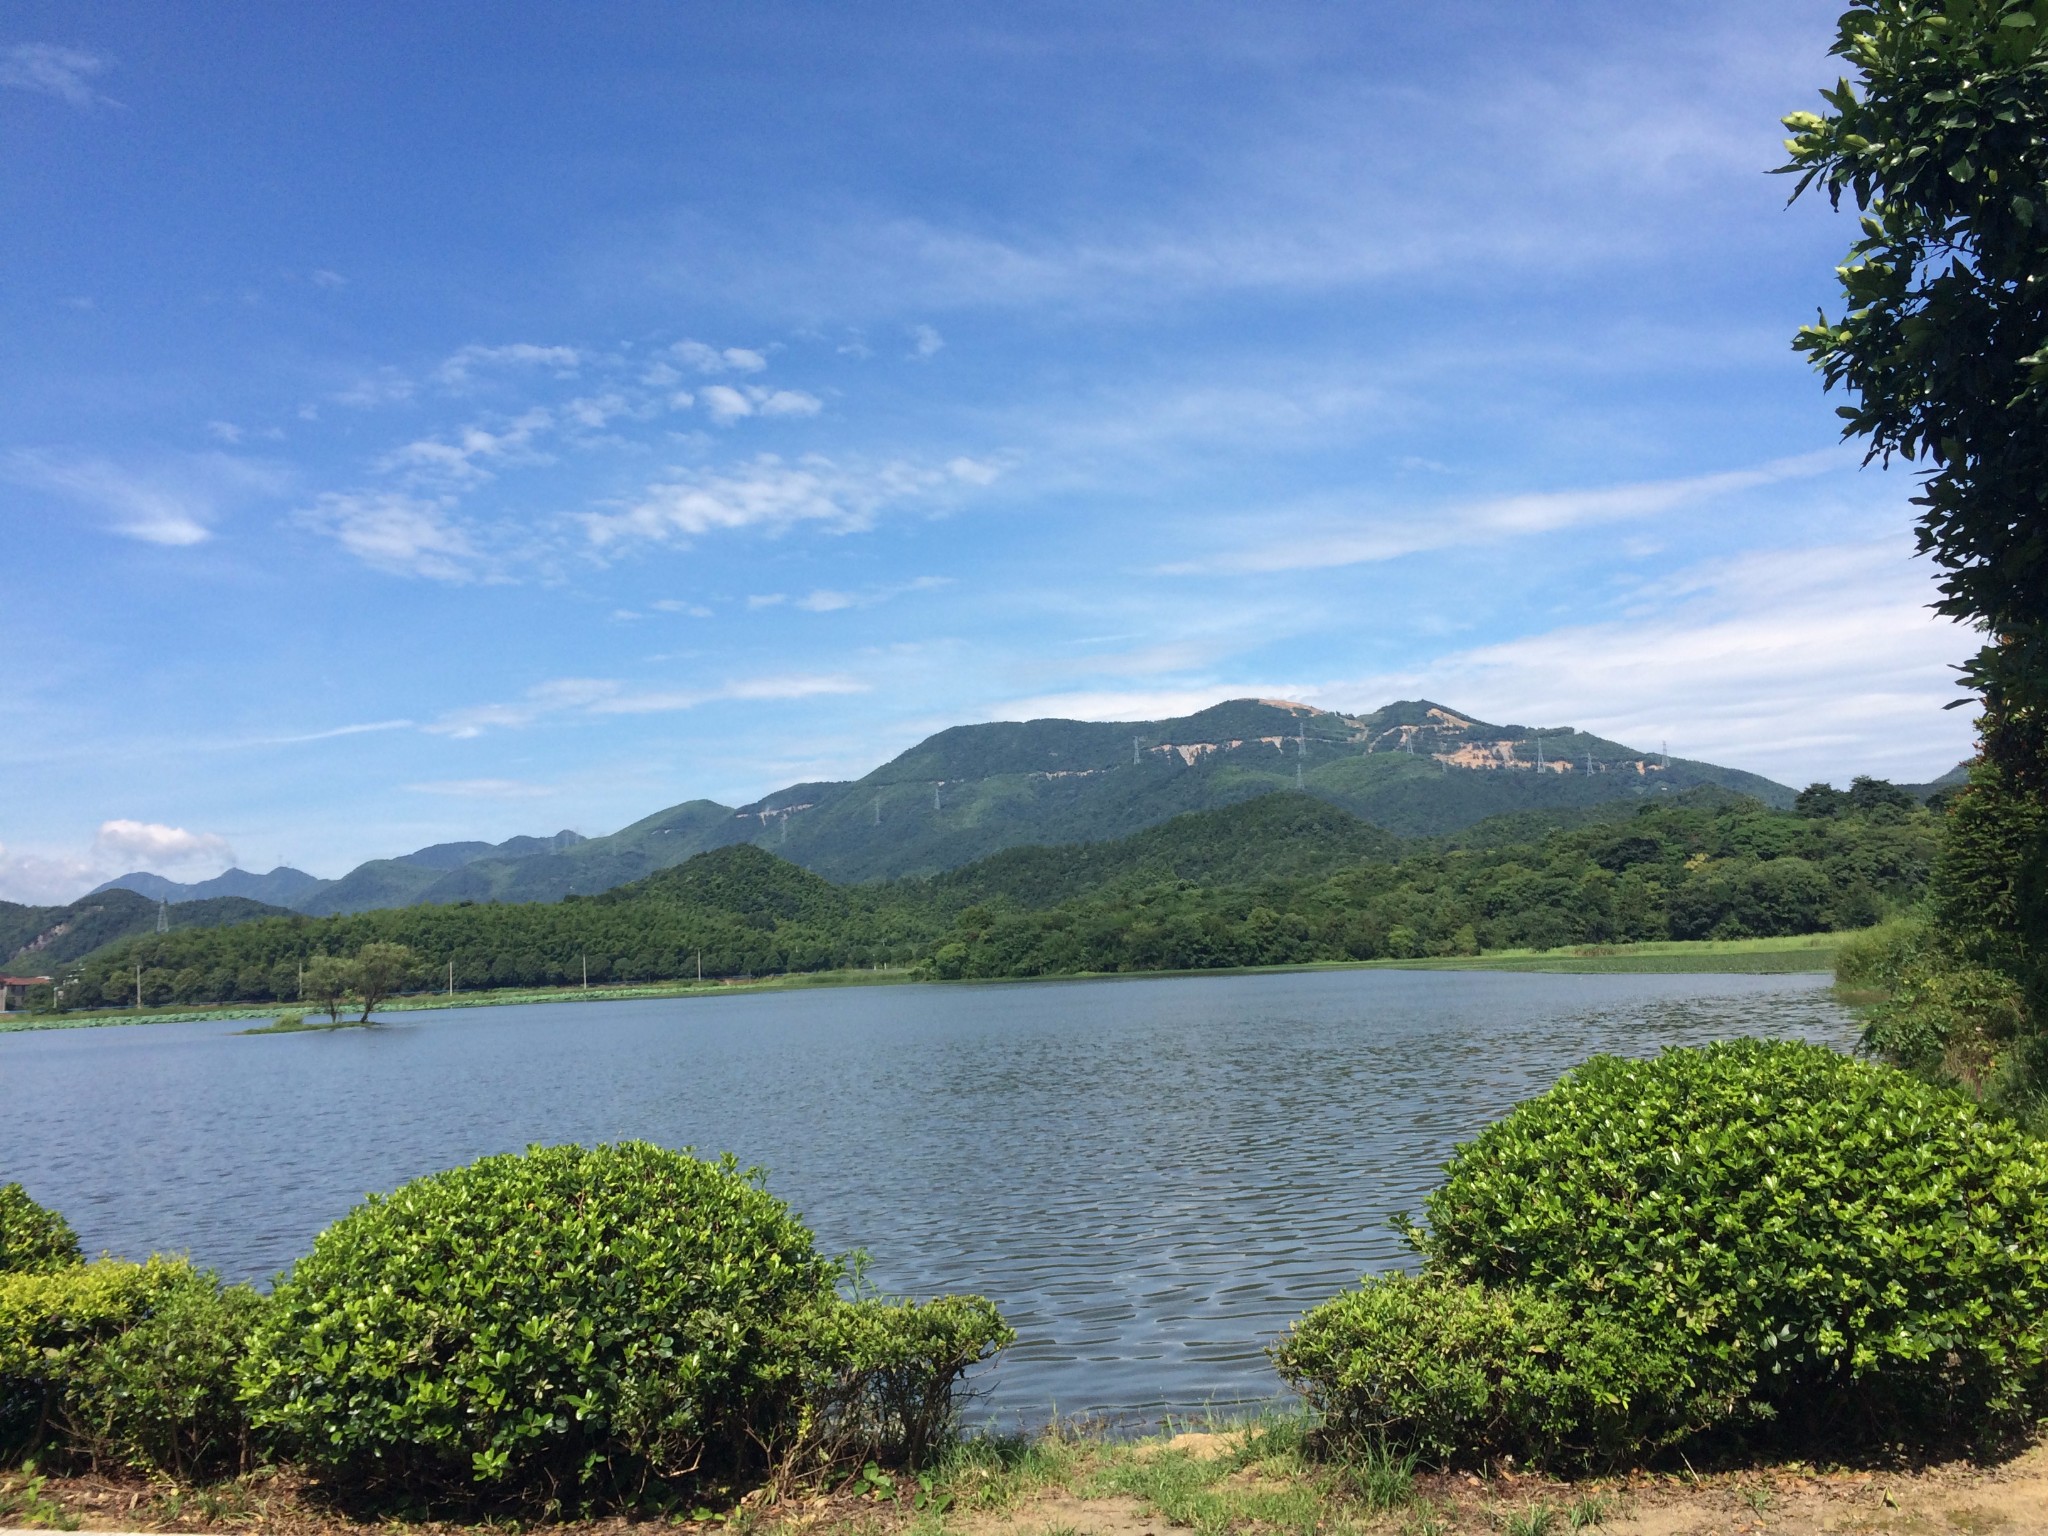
1276	881
1940	139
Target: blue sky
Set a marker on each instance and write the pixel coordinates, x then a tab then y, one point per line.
430	422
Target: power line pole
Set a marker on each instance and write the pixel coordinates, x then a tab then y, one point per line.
451	978
138	985
1134	751
586	973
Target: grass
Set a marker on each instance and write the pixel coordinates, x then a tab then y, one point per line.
1231	1475
295	1024
1810	952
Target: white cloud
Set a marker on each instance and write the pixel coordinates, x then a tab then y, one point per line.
786	402
461	366
463	459
224	431
48	880
174	501
45	878
728	404
794	686
586	696
153	843
543	699
973	471
66	73
769	493
925	342
1324	541
483	789
1797	664
677	605
725	403
404	535
706	359
767	600
826	600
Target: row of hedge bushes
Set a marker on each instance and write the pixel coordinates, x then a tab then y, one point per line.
1754	1247
564	1329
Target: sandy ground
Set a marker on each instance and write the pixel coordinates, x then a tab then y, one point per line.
1953	1500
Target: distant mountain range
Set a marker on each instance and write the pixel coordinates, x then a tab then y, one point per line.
1414	768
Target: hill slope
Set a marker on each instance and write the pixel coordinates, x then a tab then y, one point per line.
1414	767
39	939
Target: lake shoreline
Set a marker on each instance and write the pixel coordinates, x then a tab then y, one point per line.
1805	954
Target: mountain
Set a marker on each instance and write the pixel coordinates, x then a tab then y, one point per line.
1285	835
1415	768
37	939
280	888
407	879
379	883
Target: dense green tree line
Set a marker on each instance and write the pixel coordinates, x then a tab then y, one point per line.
1273	881
1937	133
1684	871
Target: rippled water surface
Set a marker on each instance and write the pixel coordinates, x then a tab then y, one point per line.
1152	1177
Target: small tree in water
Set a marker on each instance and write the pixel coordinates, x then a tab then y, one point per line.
381	969
328	981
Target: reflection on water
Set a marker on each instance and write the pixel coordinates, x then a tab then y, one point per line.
1152	1177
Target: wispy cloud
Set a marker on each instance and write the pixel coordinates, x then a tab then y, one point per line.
1799	663
793	686
465	455
402	534
588	696
925	343
708	359
1323	539
773	494
727	404
463	365
174	501
484	789
332	733
827	600
52	70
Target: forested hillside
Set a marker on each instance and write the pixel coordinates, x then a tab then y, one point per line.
37	939
1415	768
1283	878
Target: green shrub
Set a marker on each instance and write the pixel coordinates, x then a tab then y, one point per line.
888	1374
1877	959
565	1326
115	1364
33	1239
1461	1374
1866	1254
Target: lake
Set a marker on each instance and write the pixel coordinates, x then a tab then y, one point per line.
1153	1177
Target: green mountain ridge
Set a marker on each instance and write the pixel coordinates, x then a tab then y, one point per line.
1282	878
1415	767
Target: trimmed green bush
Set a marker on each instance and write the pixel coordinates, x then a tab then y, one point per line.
33	1239
565	1326
1461	1374
887	1374
114	1364
1866	1253
1759	1243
